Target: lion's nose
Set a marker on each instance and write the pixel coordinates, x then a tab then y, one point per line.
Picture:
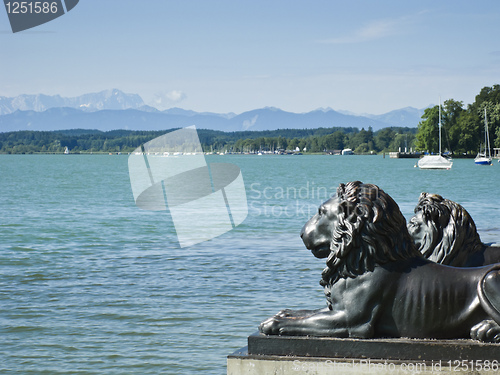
307	228
303	230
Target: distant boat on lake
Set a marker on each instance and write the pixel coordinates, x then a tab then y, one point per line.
481	158
347	151
436	161
66	150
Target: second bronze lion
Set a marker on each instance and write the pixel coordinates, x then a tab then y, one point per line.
445	233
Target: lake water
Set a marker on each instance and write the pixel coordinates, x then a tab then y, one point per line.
91	284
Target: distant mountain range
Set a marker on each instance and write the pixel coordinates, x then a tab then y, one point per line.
114	109
109	99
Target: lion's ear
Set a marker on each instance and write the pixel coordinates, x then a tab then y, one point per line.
341	190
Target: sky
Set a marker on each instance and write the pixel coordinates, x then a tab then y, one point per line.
238	55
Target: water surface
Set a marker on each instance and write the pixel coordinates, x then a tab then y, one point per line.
90	284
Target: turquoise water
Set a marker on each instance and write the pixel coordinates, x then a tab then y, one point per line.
90	284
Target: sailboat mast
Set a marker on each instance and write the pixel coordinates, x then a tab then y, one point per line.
486	135
439	125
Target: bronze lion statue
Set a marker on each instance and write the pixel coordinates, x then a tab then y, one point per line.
377	283
445	233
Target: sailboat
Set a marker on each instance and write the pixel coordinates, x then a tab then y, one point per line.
436	161
481	158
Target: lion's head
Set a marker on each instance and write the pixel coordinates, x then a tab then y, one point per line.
358	228
443	230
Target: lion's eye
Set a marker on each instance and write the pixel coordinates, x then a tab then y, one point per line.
321	210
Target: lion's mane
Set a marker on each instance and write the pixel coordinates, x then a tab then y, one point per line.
371	230
456	236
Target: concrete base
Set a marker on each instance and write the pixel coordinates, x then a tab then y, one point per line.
240	364
320	356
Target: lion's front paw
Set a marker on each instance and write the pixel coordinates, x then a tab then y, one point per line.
280	323
272	325
283	322
487	330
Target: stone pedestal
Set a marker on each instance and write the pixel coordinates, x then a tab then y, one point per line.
279	355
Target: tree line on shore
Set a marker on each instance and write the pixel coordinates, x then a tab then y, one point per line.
124	141
462	129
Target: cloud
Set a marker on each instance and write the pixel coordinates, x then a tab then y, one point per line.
175	95
374	30
167	99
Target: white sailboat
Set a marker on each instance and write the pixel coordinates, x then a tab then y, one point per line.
481	158
436	161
